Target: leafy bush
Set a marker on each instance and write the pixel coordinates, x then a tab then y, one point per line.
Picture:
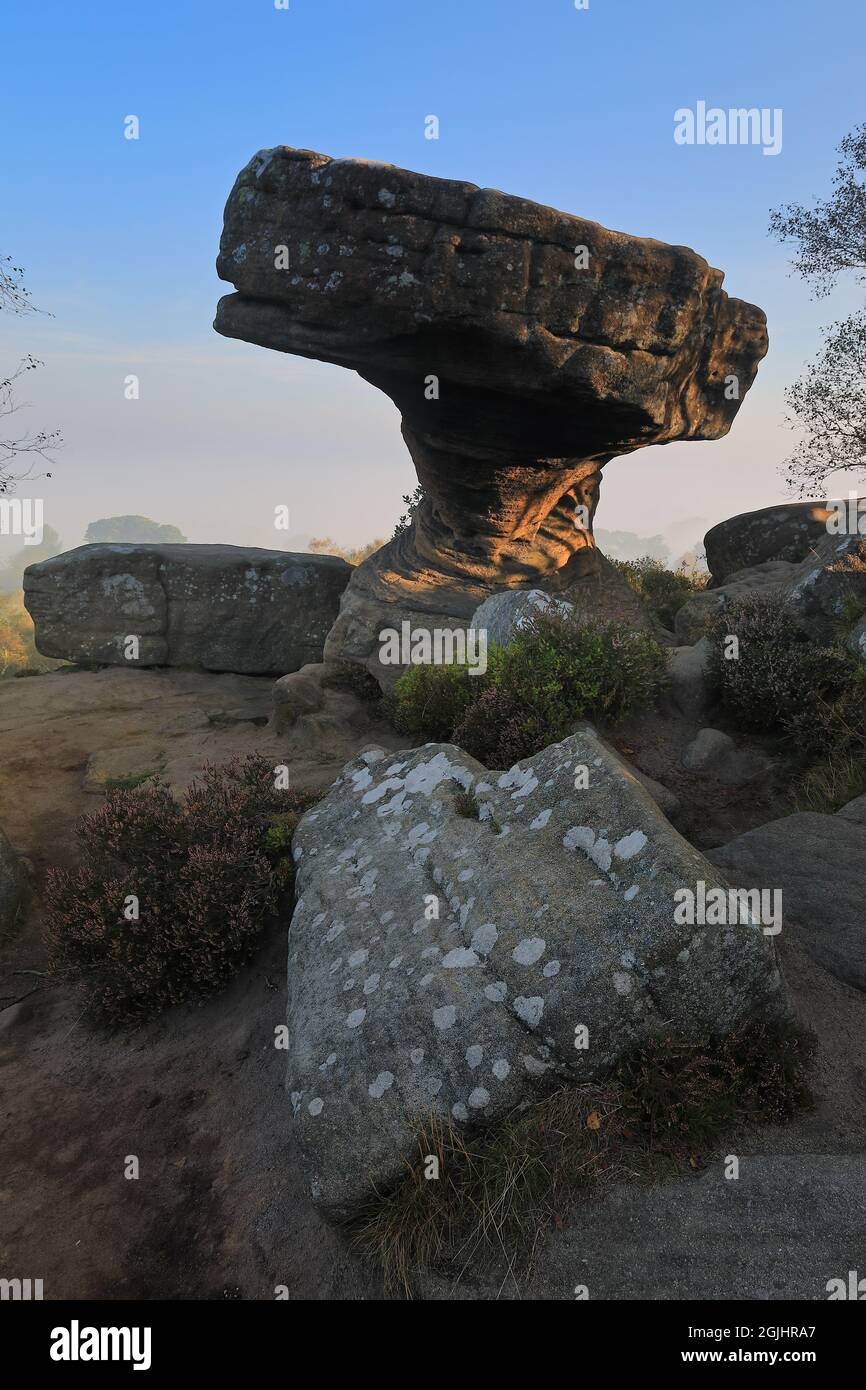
18	654
663	591
429	701
783	683
207	872
553	674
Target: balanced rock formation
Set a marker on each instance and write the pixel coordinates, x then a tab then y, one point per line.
209	607
524	348
464	940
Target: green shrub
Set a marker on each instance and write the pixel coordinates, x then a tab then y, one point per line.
429	701
207	872
663	591
553	674
783	683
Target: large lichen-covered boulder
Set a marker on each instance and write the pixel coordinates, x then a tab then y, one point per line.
524	348
211	607
447	963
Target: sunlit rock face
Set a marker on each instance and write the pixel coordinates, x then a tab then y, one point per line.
524	348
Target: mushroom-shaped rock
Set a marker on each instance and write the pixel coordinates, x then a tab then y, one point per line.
524	348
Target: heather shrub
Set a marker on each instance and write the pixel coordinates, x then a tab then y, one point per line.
663	591
553	674
429	701
170	896
783	683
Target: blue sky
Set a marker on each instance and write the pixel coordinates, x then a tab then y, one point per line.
572	108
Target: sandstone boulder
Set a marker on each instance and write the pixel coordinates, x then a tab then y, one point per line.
556	913
690	690
524	348
819	864
827	592
504	616
209	607
786	532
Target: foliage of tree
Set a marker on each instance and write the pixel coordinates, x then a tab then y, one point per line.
828	401
132	530
15	299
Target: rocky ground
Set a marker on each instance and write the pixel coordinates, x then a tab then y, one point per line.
220	1209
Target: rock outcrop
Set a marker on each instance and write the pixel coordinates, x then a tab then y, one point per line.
524	348
208	607
818	862
787	532
825	594
465	939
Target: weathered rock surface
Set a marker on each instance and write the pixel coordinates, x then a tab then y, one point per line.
819	863
828	588
504	616
13	883
208	607
786	532
822	593
855	810
690	690
556	909
520	365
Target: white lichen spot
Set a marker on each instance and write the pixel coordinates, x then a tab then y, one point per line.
479	1098
622	982
371	984
316	1106
384	1081
484	938
496	993
474	1056
460	958
501	1068
529	1009
356	1018
630	845
551	968
445	1017
529	950
459	1111
540	820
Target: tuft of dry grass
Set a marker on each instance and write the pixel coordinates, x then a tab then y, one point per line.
830	784
475	1200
